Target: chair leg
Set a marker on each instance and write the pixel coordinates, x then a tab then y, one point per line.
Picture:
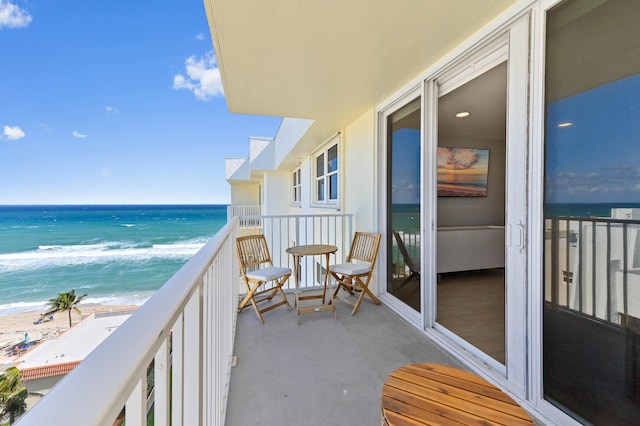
250	298
409	278
247	298
279	288
365	290
253	293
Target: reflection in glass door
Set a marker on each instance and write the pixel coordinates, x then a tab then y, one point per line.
403	209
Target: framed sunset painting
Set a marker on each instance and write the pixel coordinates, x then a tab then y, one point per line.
462	172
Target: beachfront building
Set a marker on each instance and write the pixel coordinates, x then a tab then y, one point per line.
46	364
456	129
457	125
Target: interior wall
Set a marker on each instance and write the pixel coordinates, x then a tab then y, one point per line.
476	211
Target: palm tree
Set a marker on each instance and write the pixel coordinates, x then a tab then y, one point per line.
13	394
65	302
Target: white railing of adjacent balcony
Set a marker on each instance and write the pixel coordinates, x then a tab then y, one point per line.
184	334
186	329
241	212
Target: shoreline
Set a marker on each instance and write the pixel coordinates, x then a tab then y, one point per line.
13	328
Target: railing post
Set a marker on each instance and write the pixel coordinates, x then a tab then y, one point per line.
192	388
580	266
136	407
162	394
555	248
594	306
625	267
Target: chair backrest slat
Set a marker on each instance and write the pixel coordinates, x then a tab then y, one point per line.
252	251
364	247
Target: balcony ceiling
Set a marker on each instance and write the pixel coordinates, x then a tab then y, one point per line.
332	60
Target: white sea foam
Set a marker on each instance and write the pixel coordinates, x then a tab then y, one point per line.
14	308
41	306
83	254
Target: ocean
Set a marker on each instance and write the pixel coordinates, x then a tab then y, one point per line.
602	210
114	254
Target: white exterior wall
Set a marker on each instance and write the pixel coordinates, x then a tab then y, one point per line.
275	192
358	172
245	194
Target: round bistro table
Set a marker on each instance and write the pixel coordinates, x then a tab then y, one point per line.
430	394
298	252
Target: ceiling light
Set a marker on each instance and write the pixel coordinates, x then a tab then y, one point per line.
567	124
463	114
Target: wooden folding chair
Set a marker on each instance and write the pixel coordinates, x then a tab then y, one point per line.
257	269
354	276
414	267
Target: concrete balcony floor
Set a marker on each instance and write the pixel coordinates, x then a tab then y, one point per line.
323	371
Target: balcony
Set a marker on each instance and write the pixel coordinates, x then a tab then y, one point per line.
185	339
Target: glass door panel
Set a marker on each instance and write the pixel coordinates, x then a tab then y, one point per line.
591	313
403	174
471	190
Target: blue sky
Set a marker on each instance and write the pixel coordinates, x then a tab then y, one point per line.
595	159
114	102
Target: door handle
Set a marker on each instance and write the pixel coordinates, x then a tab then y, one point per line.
515	235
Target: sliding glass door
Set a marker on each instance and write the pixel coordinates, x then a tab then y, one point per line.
591	314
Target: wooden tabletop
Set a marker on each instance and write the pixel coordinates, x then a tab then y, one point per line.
312	249
429	394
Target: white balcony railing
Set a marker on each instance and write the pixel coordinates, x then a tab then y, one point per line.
242	211
186	329
186	332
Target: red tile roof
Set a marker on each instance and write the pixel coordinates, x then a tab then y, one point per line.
41	372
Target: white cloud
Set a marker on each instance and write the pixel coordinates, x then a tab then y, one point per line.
13	16
13	133
77	134
203	77
200	36
111	110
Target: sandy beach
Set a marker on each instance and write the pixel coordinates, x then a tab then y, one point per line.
13	327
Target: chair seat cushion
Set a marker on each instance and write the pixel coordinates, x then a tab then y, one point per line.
269	273
350	268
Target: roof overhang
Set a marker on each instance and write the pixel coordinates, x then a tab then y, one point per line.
332	60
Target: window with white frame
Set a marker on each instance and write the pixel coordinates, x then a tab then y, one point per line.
326	175
296	187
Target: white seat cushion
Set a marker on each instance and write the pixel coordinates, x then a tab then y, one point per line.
269	273
350	268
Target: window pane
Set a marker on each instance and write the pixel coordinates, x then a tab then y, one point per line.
332	159
333	187
320	165
591	323
321	190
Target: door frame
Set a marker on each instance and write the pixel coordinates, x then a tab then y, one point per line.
512	46
511	40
